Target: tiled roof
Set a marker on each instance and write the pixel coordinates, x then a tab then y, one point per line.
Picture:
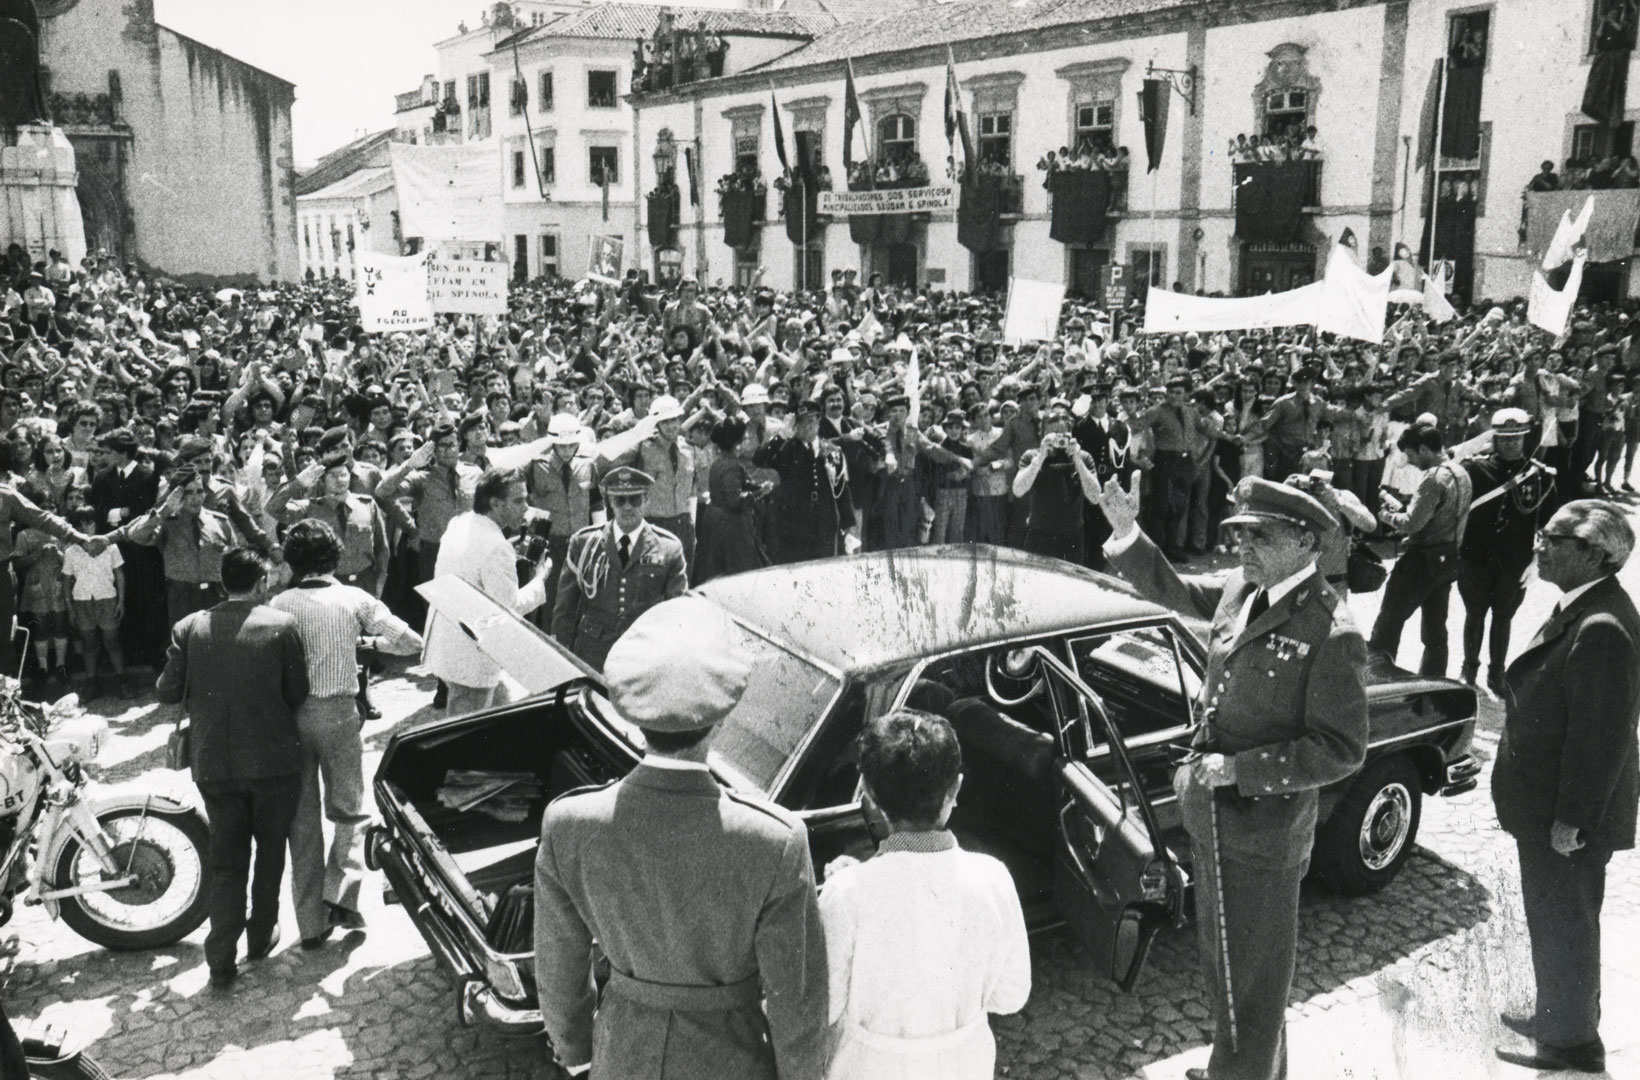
629	21
961	20
365	180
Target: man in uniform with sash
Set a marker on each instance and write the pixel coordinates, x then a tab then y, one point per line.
1284	713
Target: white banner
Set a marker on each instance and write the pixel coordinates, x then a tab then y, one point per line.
1033	311
448	192
1169	312
890	201
467	287
393	292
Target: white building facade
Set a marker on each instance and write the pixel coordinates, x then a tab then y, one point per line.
1039	77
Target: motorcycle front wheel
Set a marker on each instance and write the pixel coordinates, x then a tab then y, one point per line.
166	852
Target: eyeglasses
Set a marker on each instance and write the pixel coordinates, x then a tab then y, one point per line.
1546	537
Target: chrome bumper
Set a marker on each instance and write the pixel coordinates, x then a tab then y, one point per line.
1462	775
476	1003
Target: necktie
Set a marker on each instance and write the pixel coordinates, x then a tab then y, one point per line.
626	550
672	453
1259	605
565	477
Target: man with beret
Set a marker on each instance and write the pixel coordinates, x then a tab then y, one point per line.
734	987
1512	497
616	571
220	495
1288	428
1283	711
1104	438
1442	393
813	506
563	482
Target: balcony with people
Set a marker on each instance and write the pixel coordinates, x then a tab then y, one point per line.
676	56
1276	182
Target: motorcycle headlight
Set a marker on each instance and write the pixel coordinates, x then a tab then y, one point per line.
79	738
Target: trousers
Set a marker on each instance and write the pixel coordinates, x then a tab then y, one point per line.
243	812
1261	936
331	753
1421	581
1563	895
1488	585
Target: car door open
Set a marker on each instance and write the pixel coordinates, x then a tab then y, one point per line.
1115	881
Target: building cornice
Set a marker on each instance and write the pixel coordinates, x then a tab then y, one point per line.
1076	35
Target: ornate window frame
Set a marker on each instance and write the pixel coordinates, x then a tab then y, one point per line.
1289	69
1093	81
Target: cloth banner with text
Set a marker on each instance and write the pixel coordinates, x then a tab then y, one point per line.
393	293
1348	302
467	286
887	201
447	192
1609	229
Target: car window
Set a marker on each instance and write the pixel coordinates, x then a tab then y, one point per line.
981	674
785	697
1138	674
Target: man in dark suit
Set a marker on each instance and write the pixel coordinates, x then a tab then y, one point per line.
240	672
1284	713
122	490
1566	784
731	988
616	571
813	506
1105	439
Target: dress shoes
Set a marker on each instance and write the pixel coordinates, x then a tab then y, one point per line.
258	952
346	918
1589	1057
1197	1074
317	941
222	978
1520	1023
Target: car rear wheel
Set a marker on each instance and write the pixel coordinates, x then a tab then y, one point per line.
1370	834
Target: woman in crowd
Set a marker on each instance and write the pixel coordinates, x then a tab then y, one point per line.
924	939
727	533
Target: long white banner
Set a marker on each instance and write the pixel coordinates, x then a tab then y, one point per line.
448	192
889	201
467	287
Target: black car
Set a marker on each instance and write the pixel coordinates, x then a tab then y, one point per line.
1071	695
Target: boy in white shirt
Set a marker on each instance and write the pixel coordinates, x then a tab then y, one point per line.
96	604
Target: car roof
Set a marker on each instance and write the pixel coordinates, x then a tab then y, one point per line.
873	610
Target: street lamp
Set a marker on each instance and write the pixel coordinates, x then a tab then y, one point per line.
666	156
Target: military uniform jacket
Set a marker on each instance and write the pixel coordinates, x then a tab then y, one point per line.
722	917
1572	700
1285	698
813	502
598	600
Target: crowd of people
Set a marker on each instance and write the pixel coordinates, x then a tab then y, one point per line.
1590	172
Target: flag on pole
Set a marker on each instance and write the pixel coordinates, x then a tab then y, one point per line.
689	167
603	182
1436	306
1153	103
779	133
955	121
851	115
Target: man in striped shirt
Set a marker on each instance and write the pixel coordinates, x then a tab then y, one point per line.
332	620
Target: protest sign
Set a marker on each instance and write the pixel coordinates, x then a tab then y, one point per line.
1033	311
467	287
393	292
604	256
888	201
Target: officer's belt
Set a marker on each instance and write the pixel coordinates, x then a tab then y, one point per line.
677	997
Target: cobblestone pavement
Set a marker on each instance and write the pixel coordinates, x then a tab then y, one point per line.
1405	984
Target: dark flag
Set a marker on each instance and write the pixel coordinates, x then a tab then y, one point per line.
689	167
1153	103
1429	117
955	121
603	182
779	133
851	116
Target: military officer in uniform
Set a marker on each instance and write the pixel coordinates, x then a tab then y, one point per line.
734	987
1512	494
1284	713
563	482
813	506
667	456
616	571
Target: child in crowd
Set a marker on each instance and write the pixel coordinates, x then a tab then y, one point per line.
96	603
38	557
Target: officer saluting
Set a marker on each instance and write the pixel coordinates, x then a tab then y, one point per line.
1284	712
616	571
813	507
701	898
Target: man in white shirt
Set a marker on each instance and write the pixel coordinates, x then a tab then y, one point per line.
475	548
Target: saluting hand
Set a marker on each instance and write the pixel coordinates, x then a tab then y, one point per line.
1121	506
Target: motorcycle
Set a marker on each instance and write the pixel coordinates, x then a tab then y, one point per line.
126	870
